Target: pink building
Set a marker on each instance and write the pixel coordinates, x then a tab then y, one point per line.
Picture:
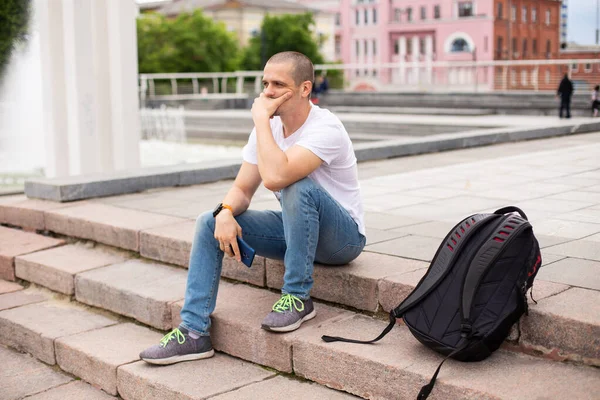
405	32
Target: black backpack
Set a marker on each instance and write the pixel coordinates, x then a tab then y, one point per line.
474	290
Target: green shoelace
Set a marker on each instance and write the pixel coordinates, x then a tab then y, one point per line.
286	302
174	334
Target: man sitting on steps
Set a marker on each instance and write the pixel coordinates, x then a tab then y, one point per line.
304	155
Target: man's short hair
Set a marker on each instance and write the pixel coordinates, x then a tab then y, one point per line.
303	69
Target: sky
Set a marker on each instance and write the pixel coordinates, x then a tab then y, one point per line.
581	23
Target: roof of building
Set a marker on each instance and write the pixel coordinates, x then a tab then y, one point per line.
573	47
179	6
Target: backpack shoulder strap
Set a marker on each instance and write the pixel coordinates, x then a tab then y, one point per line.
444	258
484	259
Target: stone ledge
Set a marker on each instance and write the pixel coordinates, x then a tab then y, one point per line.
90	186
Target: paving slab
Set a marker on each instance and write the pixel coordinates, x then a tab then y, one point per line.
195	380
104	223
33	328
398	365
567	324
435	229
8	287
27	213
582	248
588	215
378	235
56	268
281	388
384	221
22	375
573	272
236	327
14	242
355	284
137	288
21	298
412	246
94	356
72	391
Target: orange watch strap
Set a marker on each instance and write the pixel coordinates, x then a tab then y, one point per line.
227	206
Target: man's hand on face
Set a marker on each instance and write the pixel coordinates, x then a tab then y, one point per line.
265	107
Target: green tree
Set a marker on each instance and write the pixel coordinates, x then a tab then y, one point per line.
288	32
188	43
14	20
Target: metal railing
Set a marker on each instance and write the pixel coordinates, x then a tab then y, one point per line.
399	76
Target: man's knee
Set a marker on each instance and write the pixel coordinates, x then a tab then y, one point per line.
297	190
205	221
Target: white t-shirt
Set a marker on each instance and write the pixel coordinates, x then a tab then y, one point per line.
323	134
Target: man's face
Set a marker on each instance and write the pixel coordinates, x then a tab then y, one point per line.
277	80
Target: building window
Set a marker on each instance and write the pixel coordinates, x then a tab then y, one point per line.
513	13
366	16
374	16
436	12
465	9
423	13
500	11
409	46
499	46
357	48
524	77
524	48
338	19
514	45
422	46
575	67
547	77
374	47
534	15
547	17
357	13
409	14
365	48
524	14
513	77
485	44
338	45
460	45
588	67
548	48
397	13
534	47
396	47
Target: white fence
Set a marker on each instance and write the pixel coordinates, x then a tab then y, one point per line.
464	76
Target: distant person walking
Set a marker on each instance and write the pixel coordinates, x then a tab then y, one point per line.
565	91
595	100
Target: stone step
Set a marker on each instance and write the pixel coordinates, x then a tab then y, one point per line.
98	355
21	375
14	242
107	357
372	282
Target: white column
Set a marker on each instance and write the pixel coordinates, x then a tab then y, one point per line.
90	91
122	41
416	56
53	89
429	58
402	51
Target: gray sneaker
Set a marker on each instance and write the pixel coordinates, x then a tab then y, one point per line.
288	314
177	346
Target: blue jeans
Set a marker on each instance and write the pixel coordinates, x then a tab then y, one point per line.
311	227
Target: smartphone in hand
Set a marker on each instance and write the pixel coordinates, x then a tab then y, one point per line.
247	253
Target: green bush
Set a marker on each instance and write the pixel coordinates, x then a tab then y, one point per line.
14	20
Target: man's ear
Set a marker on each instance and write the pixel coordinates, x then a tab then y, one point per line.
306	88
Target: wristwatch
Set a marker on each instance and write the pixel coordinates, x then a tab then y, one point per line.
220	207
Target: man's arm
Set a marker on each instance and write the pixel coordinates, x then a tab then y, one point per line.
280	169
238	197
246	182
